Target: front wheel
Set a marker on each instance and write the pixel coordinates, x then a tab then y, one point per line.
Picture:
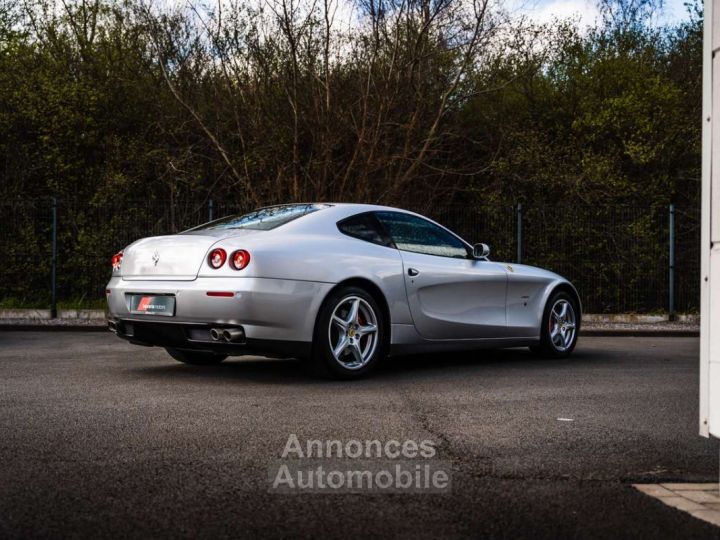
560	326
196	358
349	335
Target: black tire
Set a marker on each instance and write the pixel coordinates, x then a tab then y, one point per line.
551	348
322	360
196	358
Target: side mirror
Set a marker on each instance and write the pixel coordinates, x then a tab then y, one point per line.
481	251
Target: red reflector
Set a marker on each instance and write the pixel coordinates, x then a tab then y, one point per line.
226	294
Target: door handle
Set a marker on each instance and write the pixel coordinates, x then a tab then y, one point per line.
412	272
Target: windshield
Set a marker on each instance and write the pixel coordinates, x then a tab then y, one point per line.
265	218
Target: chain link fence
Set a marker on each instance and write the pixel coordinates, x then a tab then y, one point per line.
618	257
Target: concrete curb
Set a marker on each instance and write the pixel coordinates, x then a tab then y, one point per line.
609	332
53	328
632	318
44	314
587	318
93	320
589	332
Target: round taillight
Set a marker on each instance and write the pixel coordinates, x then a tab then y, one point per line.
239	259
217	258
117	260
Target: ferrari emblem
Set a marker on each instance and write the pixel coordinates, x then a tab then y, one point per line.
510	268
156	257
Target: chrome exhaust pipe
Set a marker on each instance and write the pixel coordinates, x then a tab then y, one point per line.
216	334
233	335
112	326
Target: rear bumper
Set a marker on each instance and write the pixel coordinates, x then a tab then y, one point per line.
197	336
272	310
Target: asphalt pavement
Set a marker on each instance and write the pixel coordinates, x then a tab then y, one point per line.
100	438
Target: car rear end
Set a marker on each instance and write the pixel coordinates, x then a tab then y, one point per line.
206	290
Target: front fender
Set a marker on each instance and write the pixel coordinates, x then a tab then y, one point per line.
529	289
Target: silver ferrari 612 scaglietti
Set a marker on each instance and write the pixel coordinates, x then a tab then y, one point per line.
338	285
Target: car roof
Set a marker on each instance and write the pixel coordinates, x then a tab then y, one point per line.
352	208
317	221
336	211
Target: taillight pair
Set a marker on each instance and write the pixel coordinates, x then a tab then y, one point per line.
238	260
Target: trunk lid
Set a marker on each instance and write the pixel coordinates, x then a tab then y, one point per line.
176	257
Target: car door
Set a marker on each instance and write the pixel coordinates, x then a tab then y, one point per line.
450	294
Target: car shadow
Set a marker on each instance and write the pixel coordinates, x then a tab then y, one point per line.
255	369
292	371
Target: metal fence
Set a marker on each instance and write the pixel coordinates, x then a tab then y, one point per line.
622	259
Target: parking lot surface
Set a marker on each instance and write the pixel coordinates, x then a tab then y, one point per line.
101	438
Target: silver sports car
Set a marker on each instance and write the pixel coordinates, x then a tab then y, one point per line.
338	285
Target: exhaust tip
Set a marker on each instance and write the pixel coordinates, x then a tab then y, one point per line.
216	334
233	335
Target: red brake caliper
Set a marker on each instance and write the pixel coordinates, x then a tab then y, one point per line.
361	322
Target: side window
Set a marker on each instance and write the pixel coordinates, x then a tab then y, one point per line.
412	233
365	227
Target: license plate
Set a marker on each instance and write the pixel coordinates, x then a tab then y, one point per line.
152	305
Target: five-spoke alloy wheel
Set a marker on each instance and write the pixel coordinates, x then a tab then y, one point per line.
560	325
353	332
349	334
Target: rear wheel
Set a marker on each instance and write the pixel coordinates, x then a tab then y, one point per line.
560	325
196	358
349	335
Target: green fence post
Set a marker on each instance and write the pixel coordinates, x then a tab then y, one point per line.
53	268
671	265
519	234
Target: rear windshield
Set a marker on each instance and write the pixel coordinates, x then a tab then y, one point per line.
265	218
